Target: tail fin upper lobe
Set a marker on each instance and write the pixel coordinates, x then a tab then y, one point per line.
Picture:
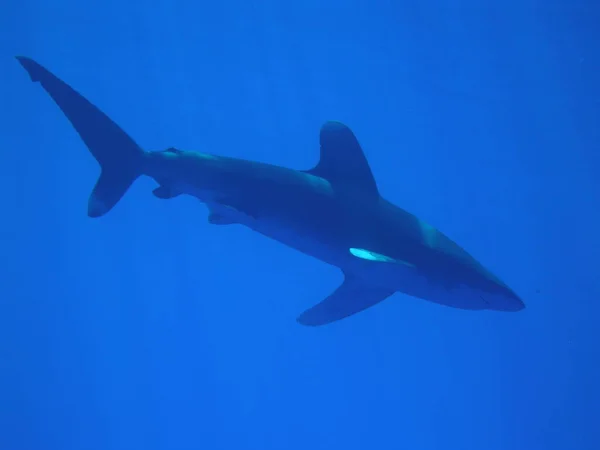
119	156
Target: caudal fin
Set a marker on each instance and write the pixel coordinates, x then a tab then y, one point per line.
119	156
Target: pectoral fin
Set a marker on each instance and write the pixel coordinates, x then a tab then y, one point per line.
351	297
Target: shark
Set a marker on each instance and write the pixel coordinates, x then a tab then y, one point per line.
333	212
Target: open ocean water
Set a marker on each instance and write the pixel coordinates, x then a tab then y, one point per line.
150	328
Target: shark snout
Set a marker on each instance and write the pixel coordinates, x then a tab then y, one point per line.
514	304
506	301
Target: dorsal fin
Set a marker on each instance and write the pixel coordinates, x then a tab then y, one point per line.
342	159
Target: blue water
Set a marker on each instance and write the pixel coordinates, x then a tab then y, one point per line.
151	329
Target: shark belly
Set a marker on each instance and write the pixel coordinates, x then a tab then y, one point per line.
398	277
412	281
454	285
403	278
286	231
294	236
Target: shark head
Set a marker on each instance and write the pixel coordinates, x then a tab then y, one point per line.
393	249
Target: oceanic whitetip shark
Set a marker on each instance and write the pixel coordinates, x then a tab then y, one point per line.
333	212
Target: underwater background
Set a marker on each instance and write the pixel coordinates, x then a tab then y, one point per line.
149	328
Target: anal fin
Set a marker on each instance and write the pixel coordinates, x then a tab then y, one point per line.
352	296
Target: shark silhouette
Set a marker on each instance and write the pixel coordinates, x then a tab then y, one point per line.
332	212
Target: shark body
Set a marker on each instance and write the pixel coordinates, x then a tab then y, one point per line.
332	212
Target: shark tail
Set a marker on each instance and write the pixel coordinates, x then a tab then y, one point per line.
112	184
121	159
